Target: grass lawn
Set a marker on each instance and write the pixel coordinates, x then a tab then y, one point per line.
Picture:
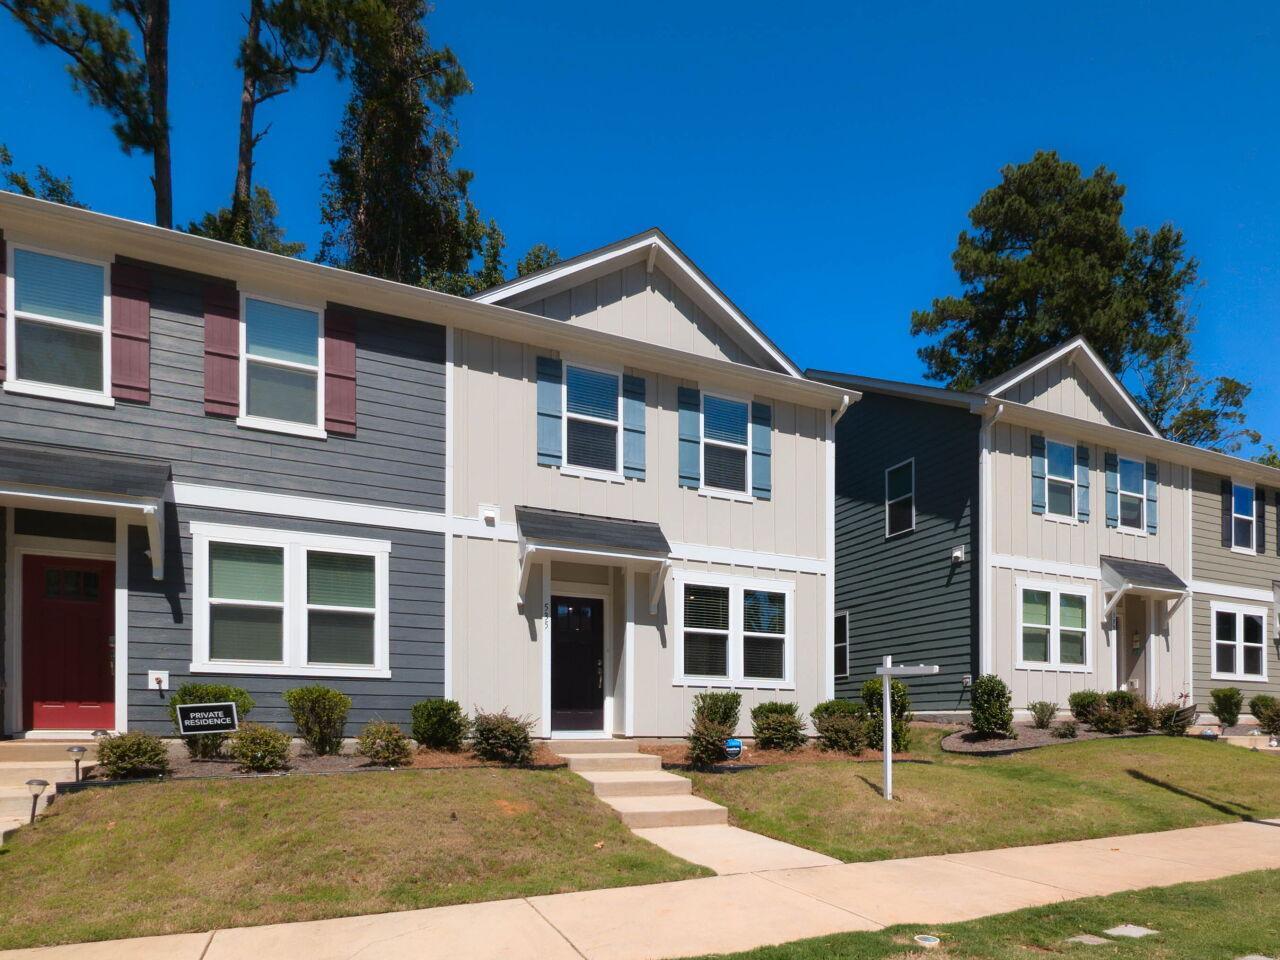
1217	920
949	803
183	856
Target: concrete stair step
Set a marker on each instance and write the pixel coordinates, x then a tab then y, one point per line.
588	762
637	783
26	751
7	826
17	773
671	811
563	747
1259	743
16	802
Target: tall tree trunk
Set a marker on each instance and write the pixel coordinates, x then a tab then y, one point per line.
156	49
248	104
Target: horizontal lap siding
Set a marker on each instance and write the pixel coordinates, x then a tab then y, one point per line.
160	617
904	595
396	457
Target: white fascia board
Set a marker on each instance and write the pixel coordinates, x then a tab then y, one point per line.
896	388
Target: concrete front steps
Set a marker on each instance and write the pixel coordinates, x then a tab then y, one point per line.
636	786
1258	743
21	761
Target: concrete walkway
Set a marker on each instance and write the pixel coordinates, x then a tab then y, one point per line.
736	912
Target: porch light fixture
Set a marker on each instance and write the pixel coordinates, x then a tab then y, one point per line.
77	754
36	788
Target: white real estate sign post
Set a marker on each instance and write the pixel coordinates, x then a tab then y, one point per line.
888	671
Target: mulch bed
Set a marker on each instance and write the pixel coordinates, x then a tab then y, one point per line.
1028	738
673	753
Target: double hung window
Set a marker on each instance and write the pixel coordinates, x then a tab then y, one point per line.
1060	476
1133	496
592	422
735	632
1054	629
1239	642
900	498
281	363
726	463
1243	519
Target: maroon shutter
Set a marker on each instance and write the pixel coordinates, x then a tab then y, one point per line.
340	370
130	333
221	350
4	299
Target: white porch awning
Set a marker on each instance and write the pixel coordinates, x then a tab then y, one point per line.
1121	577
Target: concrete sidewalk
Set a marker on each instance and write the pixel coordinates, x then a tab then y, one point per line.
735	912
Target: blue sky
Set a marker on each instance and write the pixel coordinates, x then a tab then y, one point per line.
816	160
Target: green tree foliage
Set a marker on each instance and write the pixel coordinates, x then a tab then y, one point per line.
261	231
539	257
1047	259
132	87
44	186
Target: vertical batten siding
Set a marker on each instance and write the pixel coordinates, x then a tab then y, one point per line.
495	407
904	595
160	619
396	457
1058	388
1214	563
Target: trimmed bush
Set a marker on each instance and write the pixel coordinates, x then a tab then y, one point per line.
320	714
842	732
1107	719
385	744
899	704
1066	730
1227	702
1123	700
1142	718
206	746
1268	717
706	742
777	726
1082	703
502	737
719	707
829	708
1042	713
439	724
1261	703
1167	722
991	712
133	754
259	748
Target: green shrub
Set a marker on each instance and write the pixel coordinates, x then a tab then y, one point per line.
133	754
502	737
1168	722
260	748
842	732
899	704
829	708
1107	719
1066	730
1142	718
777	726
439	724
1042	713
205	746
385	744
320	714
706	742
991	713
1227	702
1122	700
1268	717
719	707
1082	703
1261	703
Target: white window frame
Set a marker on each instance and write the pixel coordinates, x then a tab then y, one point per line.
737	586
572	469
888	503
100	398
744	495
294	641
1050	478
313	430
1239	611
842	641
1141	529
1055	591
1252	549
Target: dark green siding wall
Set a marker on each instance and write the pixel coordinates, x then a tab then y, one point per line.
904	596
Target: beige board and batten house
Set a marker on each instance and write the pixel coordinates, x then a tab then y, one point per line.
652	503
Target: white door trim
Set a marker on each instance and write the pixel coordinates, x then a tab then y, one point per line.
585	591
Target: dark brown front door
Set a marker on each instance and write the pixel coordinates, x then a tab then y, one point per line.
577	663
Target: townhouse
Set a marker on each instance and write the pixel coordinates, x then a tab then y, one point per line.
1039	528
582	496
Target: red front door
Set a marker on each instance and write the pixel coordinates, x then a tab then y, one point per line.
68	658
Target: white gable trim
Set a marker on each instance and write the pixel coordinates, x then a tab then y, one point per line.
653	243
1073	350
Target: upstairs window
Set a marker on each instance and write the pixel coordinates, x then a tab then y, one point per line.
1060	468
280	367
900	498
1239	642
59	319
1133	496
592	421
725	463
1243	534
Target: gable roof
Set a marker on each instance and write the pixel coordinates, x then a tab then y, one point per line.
1077	351
654	247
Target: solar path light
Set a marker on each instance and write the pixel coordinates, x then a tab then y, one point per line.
37	787
77	754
